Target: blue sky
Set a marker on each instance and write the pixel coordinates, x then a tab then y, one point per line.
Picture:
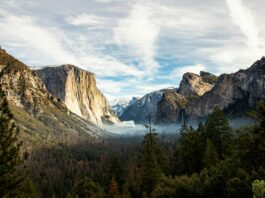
135	46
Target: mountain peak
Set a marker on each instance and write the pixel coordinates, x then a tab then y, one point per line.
10	62
259	64
193	85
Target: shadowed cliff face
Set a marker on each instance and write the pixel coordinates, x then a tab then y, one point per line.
140	110
77	89
239	90
234	93
170	107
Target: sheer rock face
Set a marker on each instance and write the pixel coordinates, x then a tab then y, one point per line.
77	89
232	92
193	85
173	103
42	118
170	107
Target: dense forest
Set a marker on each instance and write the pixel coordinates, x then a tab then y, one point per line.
212	160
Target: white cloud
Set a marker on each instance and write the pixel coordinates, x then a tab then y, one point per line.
245	20
178	72
44	44
134	40
85	19
139	32
35	38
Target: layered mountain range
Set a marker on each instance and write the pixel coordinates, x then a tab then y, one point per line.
64	102
197	95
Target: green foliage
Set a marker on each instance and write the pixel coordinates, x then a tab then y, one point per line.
151	161
258	188
189	151
199	171
13	178
251	141
86	188
210	157
114	189
217	129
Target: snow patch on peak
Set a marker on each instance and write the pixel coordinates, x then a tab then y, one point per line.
120	105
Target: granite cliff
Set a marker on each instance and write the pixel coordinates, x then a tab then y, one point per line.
40	116
77	89
193	85
234	93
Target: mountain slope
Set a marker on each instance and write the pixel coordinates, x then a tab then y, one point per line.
170	107
140	110
40	116
119	106
77	89
235	93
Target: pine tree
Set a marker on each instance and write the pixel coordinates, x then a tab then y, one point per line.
210	157
86	188
151	161
251	143
11	179
114	189
189	151
217	129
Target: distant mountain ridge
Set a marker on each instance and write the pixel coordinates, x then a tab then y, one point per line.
140	110
119	106
197	95
234	93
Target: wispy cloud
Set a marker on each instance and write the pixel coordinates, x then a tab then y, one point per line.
139	32
178	72
245	20
43	43
135	47
85	19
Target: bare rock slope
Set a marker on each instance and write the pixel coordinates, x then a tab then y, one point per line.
39	115
77	89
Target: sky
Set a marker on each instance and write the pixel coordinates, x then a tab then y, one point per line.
135	46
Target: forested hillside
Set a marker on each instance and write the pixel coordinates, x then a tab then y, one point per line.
212	160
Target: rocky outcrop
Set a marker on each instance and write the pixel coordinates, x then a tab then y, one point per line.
42	118
194	85
170	108
77	89
208	77
234	93
22	86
